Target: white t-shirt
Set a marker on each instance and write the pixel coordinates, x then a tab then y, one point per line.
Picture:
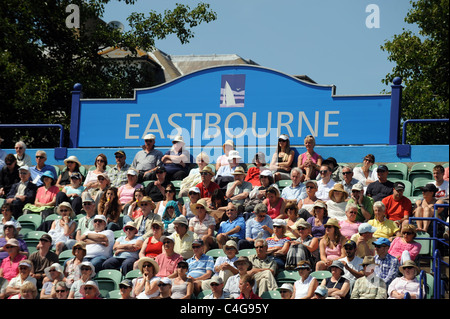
95	250
355	264
324	190
443	189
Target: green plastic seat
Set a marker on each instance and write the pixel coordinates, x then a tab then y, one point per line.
289	276
321	274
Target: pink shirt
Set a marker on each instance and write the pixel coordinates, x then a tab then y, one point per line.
11	270
348	229
127	193
45	196
398	245
167	265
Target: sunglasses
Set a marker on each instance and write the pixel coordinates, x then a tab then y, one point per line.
147	265
40	157
407	233
170	191
199	207
323	172
182	266
63	210
347	173
129	228
231	210
162	285
60	291
214	284
310	187
85	268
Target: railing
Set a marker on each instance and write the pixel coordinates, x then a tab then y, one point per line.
404	150
60	152
436	256
423	285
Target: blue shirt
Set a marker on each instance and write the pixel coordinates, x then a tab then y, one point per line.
291	193
226	226
253	227
387	268
199	267
36	174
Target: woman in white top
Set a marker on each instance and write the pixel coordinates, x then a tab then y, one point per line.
222	160
305	287
146	287
337	202
364	174
91	182
63	227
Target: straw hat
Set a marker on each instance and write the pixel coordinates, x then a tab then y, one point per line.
337	188
72	158
333	222
57	267
90	283
409	263
69	206
144	260
201	202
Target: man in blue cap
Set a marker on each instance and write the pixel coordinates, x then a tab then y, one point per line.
387	265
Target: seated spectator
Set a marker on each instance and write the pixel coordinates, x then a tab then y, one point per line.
6	217
194	176
201	266
203	224
176	160
126	191
352	263
348	180
168	259
21	193
382	187
146	286
224	266
10	232
183	237
207	186
291	220
338	286
385	227
407	286
259	193
165	289
53	274
9	175
105	184
91	182
9	267
222	160
308	202
60	290
89	290
349	227
387	265
157	189
364	203
45	196
283	159
425	206
125	250
246	284
72	192
325	184
264	268
99	242
305	247
194	196
364	240
238	191
23	159
286	291
219	205
110	207
224	173
87	273
243	265
72	269
446	174
319	219
170	194
275	204
365	174
331	246
153	245
405	247
217	291
62	228
126	289
440	182
118	173
321	292
278	243
310	161
398	207
133	210
336	170
87	221
72	166
147	160
231	229
259	226
370	286
24	276
42	258
337	202
254	172
305	287
171	212
182	286
296	191
144	223
40	168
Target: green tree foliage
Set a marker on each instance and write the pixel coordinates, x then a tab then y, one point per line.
422	61
41	59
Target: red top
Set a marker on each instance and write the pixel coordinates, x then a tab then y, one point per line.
153	250
253	176
252	296
207	192
396	210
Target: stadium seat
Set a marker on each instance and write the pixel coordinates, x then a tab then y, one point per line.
108	280
418	183
247	252
397	170
203	293
29	222
215	253
145	183
114	294
284	183
421	170
64	256
429	290
58	171
32	240
52	217
83	171
119	233
132	274
289	276
321	274
274	294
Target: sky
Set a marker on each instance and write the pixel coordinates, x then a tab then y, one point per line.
334	42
